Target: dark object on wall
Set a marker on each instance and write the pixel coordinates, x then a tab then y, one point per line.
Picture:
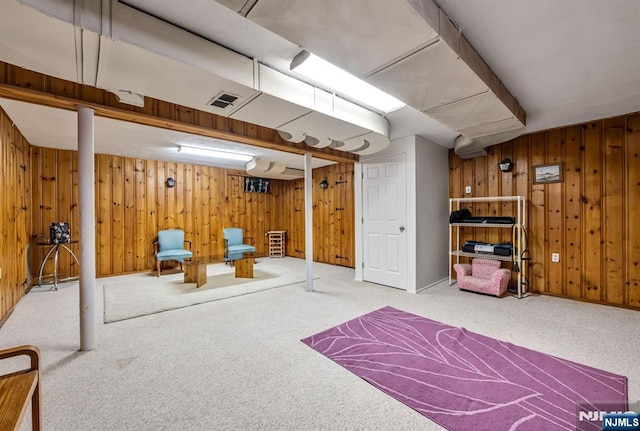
59	233
459	216
257	185
505	165
171	182
324	184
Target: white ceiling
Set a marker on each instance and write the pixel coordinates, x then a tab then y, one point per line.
566	62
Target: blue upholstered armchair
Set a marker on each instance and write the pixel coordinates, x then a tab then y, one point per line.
171	246
234	242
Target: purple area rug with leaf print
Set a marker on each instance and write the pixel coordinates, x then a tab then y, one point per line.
466	381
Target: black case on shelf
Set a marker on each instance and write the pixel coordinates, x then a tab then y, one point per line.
497	249
491	220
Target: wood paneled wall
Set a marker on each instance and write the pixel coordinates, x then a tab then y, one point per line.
15	211
133	203
590	218
333	216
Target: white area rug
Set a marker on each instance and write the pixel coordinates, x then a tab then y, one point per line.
150	294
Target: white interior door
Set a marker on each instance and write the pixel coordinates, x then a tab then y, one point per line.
384	187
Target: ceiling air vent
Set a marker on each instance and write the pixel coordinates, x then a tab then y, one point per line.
223	99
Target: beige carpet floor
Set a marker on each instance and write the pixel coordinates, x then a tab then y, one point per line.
238	364
148	294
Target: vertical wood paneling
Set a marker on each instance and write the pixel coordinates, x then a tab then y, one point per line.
480	175
152	211
592	212
161	198
63	204
103	215
493	189
15	213
129	214
178	192
117	216
467	180
505	188
613	226
47	202
588	218
170	196
204	226
196	232
538	219
36	196
333	215
216	244
632	203
320	202
141	246
346	234
188	204
523	179
571	255
455	176
554	239
298	220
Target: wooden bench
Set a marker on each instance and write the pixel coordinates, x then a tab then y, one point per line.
18	389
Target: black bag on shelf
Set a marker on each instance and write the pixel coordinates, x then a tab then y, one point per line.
59	233
496	249
489	219
458	216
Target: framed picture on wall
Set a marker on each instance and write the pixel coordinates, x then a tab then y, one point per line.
257	185
547	174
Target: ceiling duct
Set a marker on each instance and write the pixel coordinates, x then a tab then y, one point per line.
129	98
467	148
299	137
274	170
317	143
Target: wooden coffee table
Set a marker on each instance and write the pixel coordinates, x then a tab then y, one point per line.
195	269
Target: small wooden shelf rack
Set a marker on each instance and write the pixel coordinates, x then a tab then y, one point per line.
276	243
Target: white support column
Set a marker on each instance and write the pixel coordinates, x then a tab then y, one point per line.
86	200
308	220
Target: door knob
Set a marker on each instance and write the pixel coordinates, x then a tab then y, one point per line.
401	228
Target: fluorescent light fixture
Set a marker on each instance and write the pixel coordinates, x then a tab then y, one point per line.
342	82
216	154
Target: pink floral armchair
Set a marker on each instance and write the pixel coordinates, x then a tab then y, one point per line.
483	275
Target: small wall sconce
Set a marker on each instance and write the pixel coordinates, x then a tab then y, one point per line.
171	182
324	184
506	165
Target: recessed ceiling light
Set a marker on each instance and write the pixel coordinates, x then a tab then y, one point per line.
216	154
344	83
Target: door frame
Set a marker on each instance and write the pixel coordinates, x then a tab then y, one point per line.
404	146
